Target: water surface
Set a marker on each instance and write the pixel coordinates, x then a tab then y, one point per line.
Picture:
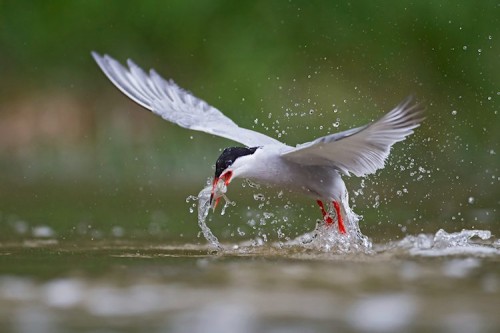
446	282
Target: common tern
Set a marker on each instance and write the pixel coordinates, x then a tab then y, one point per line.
313	168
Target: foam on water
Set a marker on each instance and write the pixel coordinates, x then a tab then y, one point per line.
444	244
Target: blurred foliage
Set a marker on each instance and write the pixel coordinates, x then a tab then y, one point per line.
294	69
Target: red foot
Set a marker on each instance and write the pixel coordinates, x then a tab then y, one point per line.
339	217
328	219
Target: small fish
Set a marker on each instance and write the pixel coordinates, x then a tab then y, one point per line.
219	190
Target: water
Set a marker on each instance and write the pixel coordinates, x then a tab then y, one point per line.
442	282
324	280
94	280
203	210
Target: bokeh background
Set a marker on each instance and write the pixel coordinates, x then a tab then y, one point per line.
80	160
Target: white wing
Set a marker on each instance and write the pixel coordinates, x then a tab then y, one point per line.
361	150
174	104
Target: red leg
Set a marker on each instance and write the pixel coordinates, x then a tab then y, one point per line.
339	217
326	217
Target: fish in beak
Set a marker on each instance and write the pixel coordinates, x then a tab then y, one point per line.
219	189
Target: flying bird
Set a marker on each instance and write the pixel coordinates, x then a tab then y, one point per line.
313	168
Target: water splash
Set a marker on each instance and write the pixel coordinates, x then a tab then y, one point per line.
443	244
327	238
203	209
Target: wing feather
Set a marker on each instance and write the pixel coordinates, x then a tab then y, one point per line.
361	150
174	104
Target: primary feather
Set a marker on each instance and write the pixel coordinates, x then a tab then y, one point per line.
174	104
361	150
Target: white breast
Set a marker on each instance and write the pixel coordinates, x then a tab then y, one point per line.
266	166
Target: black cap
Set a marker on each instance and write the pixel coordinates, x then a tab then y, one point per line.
229	155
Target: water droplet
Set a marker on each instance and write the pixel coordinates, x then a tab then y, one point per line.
252	184
454	112
268	215
259	197
226	204
471	200
464	47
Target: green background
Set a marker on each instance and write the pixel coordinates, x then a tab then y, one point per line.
80	158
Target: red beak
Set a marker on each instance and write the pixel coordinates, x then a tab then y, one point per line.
216	180
227	179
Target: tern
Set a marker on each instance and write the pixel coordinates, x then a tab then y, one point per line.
314	168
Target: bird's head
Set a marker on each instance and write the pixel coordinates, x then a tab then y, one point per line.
229	165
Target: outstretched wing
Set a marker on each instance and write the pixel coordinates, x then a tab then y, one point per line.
361	150
174	104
